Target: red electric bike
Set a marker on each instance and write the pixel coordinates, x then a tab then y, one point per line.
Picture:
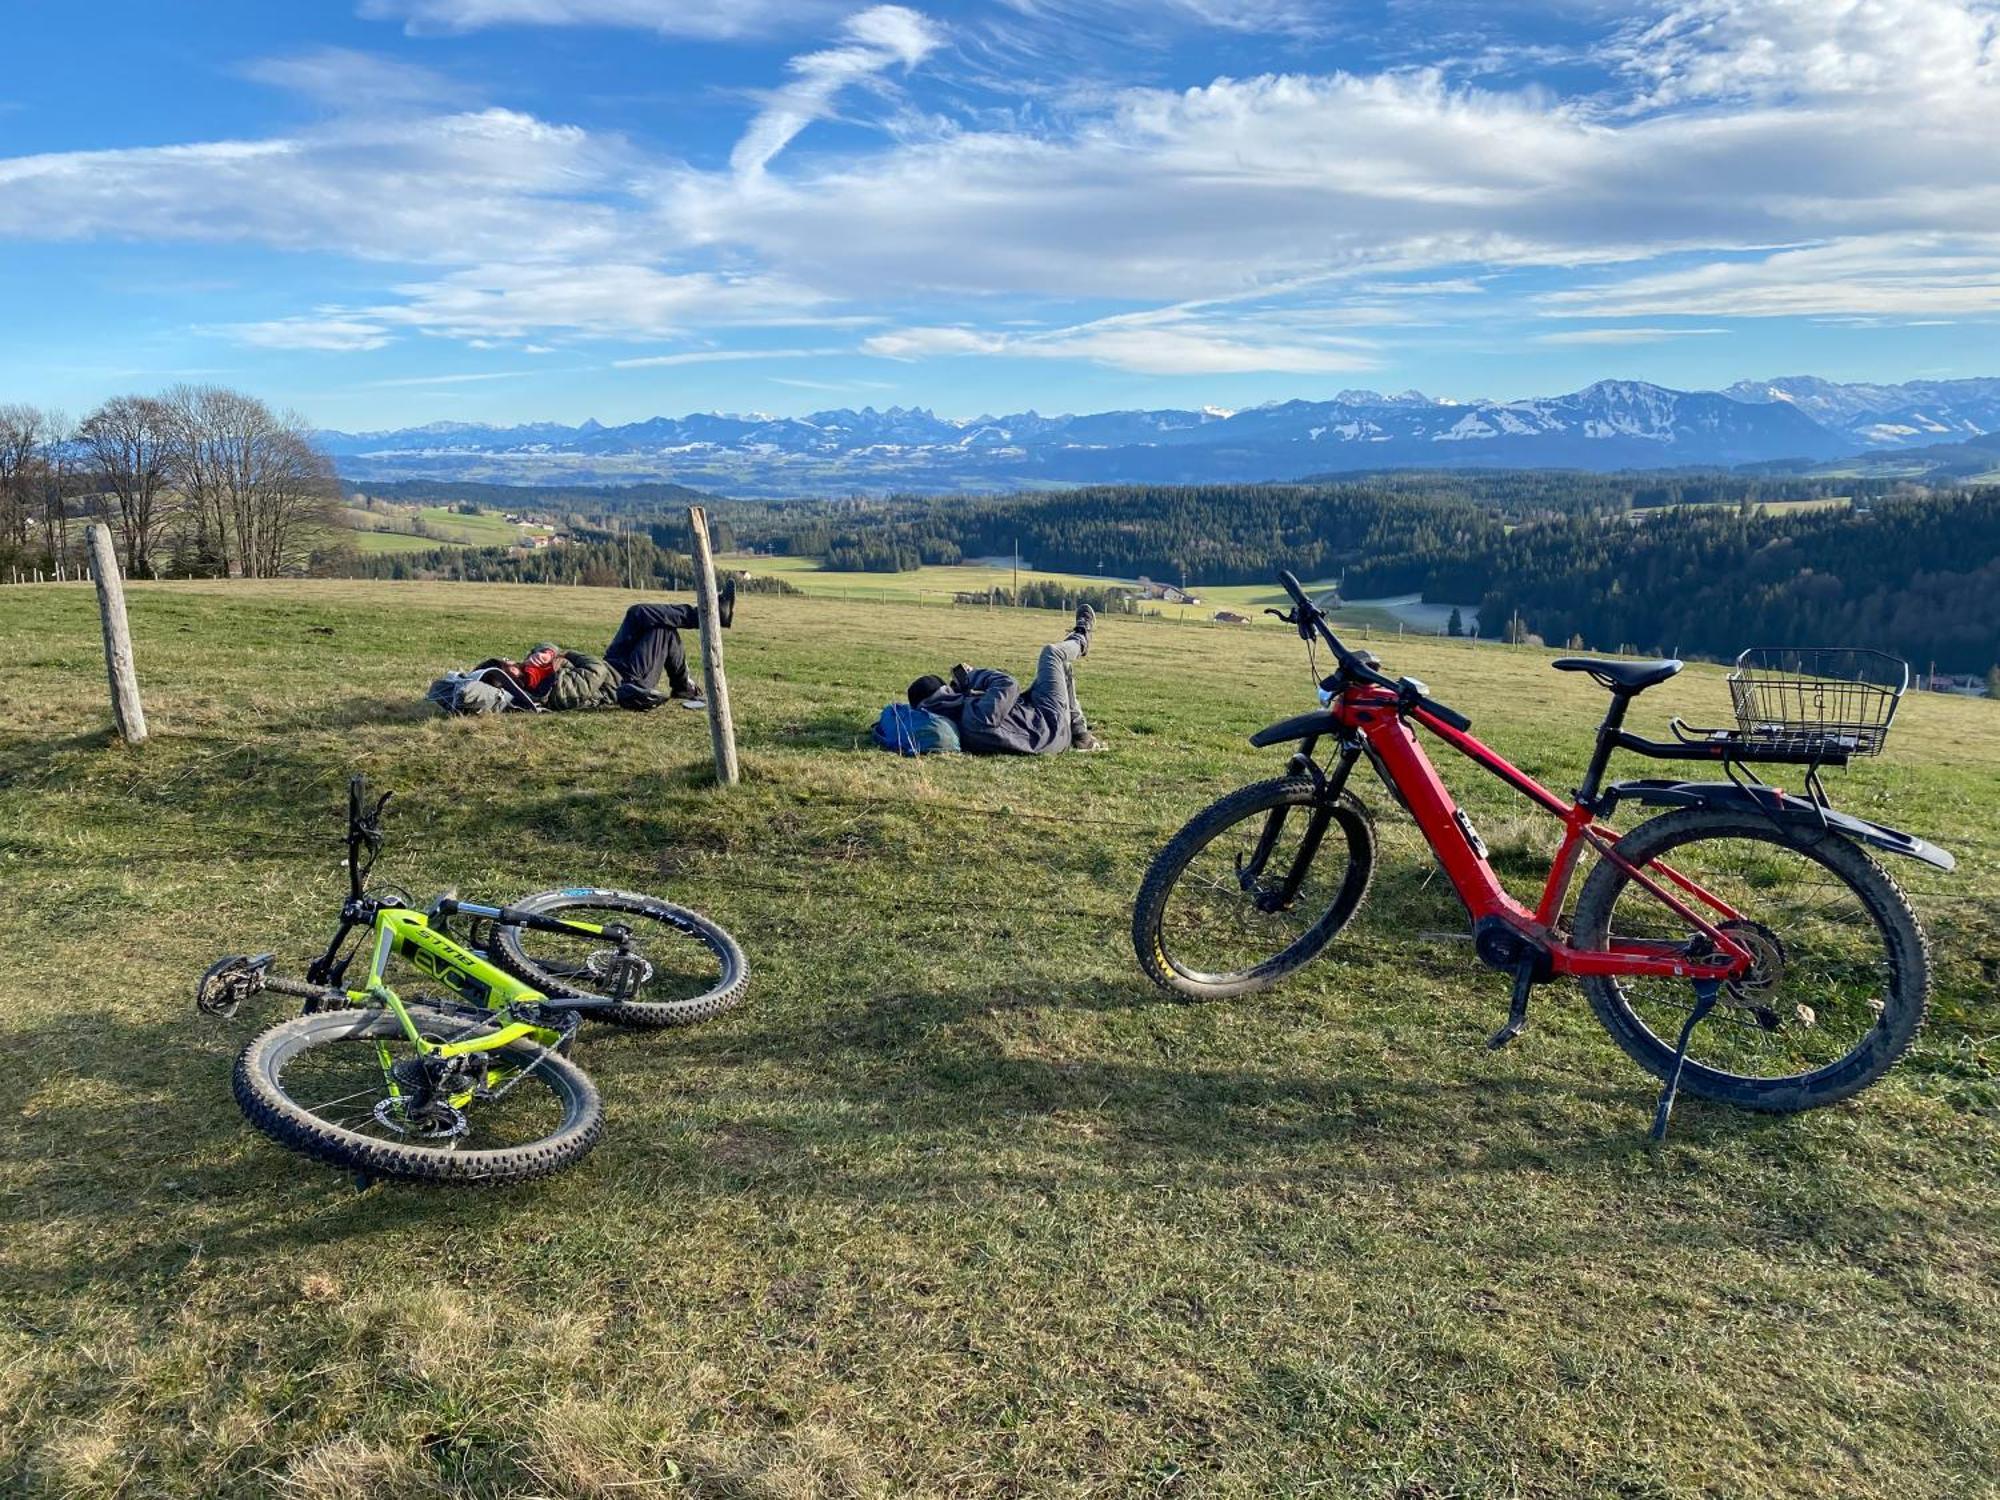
1759	912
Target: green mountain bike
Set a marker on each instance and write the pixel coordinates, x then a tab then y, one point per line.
475	1085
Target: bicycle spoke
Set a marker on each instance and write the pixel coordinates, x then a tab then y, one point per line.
331	1072
1803	1010
1213	926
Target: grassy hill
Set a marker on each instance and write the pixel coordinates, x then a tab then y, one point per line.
955	1204
940	585
393	530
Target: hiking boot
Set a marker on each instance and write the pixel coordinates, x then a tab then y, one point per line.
692	700
725	603
1086	621
961	677
642	700
1088	743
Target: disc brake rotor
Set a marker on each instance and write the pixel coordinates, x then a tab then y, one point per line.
433	1120
1754	992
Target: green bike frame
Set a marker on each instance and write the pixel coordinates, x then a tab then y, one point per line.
405	933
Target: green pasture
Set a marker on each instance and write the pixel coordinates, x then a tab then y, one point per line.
955	1204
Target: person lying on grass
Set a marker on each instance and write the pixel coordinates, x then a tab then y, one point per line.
993	715
628	674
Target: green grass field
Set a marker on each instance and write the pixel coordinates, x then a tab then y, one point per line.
939	585
955	1204
446	527
397	541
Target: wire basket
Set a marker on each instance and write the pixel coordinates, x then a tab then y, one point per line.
1817	700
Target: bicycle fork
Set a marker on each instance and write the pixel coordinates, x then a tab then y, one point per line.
1327	790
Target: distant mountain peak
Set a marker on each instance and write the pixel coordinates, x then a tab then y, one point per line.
1609	424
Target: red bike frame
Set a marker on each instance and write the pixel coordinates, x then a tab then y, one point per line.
1377	715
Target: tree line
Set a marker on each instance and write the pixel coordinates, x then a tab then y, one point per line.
1684	562
593	559
198	481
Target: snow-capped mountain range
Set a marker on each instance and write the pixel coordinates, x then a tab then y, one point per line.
1614	424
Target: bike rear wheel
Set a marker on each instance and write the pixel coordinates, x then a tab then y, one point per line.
676	967
1214	917
347	1087
1841	980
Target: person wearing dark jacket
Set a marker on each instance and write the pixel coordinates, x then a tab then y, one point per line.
995	717
648	643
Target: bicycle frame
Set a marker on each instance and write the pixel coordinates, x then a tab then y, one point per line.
405	933
1374	721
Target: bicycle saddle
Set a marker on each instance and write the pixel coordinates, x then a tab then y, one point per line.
1619	676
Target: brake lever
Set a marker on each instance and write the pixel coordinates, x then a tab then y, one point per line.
1289	616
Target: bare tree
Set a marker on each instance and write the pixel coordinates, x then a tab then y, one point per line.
56	480
20	451
259	495
126	441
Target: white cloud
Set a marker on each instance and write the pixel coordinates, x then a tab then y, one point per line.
1869	275
1827	158
427	380
599	299
356	81
878	39
711	19
1762	50
453	187
715	356
333	334
1621	335
1172	343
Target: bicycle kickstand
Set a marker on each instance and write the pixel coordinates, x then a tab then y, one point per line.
1517	1009
1706	993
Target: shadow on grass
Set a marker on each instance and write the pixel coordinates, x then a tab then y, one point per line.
23	760
907	1099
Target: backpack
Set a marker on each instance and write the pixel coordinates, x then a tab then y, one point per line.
480	691
904	730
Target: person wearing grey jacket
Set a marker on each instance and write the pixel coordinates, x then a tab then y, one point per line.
996	717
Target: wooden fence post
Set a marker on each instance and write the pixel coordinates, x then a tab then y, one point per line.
715	686
126	710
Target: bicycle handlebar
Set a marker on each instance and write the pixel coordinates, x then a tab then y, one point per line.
1310	617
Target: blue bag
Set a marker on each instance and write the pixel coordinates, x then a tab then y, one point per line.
904	730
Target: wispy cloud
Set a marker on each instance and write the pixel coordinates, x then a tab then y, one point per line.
715	19
1621	335
470	379
715	356
328	334
357	82
1730	159
879	38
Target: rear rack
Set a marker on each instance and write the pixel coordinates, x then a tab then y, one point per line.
1813	708
1816	702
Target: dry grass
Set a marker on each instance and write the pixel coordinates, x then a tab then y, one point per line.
955	1205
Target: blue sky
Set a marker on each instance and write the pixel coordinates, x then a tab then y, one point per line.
384	212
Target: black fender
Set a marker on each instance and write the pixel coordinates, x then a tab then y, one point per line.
1772	803
1301	727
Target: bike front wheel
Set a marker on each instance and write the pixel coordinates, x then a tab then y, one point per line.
349	1087
1841	974
1252	888
667	967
